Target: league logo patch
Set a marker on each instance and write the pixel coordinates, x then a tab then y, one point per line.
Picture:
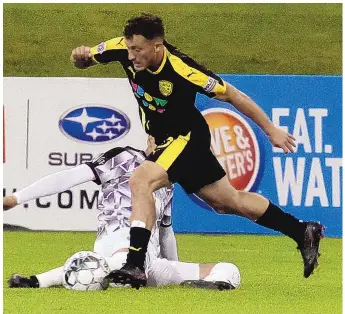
166	88
101	47
235	145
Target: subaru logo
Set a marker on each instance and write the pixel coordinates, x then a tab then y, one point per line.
94	124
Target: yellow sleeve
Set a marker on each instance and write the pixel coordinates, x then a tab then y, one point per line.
114	49
208	83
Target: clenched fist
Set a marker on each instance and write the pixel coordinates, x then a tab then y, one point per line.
9	202
82	57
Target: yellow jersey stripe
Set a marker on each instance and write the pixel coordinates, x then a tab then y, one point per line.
143	118
111	44
170	154
195	76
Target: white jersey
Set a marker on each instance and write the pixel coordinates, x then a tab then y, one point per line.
112	170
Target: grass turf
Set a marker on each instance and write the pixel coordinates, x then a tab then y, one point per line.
270	266
227	38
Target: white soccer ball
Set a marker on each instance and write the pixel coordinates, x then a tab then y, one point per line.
86	271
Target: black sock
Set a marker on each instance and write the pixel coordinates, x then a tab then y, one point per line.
33	282
138	246
274	218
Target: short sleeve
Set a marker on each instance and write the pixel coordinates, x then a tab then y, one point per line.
204	80
111	50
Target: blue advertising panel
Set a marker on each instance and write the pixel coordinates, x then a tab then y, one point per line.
307	183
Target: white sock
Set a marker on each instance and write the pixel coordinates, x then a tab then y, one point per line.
50	278
226	272
138	223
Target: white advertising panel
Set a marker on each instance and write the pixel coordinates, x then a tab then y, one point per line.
53	124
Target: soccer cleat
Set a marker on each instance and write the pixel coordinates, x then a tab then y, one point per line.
17	281
309	248
129	274
202	284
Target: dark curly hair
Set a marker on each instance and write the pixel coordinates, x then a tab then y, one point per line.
147	25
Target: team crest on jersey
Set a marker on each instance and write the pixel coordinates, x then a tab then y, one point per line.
165	87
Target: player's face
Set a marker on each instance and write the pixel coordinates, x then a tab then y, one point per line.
142	52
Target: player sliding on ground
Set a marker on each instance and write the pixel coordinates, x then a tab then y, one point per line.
112	170
165	83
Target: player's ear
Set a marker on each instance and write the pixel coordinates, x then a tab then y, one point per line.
158	45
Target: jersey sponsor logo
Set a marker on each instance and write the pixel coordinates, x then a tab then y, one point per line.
235	145
101	47
165	87
210	84
94	124
152	103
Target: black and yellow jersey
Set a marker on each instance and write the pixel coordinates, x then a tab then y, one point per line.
166	97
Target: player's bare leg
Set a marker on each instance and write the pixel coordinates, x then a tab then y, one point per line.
226	199
146	179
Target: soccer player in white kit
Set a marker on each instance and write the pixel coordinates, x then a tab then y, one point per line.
112	171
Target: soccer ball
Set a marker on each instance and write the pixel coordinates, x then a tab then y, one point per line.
85	271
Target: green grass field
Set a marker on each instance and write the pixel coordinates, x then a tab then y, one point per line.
227	38
271	271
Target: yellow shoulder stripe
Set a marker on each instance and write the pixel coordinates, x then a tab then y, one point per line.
195	76
111	44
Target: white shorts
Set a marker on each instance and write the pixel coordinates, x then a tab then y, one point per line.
159	271
112	242
119	239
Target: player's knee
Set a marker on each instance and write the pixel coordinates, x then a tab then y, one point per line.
134	182
139	182
226	272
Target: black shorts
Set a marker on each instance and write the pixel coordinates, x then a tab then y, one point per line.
188	160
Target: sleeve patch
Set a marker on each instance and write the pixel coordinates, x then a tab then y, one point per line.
210	84
101	47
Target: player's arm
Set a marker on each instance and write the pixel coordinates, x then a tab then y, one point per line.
111	50
247	106
51	184
207	83
167	240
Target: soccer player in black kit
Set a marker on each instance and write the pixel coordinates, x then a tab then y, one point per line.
165	82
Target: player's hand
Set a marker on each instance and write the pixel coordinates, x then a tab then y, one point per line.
280	138
9	202
80	54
